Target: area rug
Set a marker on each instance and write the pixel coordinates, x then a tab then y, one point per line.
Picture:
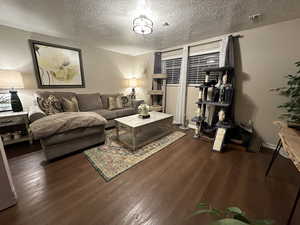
111	159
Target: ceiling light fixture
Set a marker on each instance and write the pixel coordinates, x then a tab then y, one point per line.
142	25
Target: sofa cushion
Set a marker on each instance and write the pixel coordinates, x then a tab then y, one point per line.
89	102
115	102
64	122
70	105
126	101
124	112
104	99
107	114
50	105
73	134
46	94
113	114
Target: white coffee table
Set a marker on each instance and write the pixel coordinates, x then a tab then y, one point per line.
140	132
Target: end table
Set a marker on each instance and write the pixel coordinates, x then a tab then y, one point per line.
10	119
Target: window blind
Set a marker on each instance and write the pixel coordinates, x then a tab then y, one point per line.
205	48
171	67
196	65
171	54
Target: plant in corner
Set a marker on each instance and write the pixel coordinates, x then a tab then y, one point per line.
228	216
292	92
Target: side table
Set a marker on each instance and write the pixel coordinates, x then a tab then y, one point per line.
10	119
289	140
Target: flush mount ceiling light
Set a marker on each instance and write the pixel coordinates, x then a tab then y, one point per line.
142	25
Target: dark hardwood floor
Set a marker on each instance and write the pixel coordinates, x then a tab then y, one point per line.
162	190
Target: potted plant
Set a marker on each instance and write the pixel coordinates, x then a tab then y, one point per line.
292	92
228	216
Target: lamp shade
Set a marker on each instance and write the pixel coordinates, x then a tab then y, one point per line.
133	83
11	79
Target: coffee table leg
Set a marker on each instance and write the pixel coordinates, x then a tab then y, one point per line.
117	130
133	139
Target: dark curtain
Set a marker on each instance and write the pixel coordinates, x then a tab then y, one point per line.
157	62
229	58
230	61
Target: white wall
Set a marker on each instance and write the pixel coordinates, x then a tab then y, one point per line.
266	55
143	70
105	71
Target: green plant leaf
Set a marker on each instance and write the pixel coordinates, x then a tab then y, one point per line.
217	212
202	211
228	221
234	210
242	218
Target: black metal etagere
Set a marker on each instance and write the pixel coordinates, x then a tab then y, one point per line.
216	91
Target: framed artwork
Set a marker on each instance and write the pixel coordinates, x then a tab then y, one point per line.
57	66
5	102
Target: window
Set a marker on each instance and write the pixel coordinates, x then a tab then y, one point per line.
171	67
196	65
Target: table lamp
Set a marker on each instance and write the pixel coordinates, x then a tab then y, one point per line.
12	80
133	85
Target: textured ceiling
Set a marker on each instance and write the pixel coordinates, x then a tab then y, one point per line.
108	23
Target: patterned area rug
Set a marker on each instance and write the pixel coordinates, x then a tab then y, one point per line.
111	159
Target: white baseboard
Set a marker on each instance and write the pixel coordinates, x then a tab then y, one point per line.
269	145
264	144
273	147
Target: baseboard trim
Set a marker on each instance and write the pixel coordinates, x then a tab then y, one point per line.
264	144
268	145
273	147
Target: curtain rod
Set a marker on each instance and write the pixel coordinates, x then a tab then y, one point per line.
238	36
195	44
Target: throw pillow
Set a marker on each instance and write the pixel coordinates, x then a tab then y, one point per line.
50	105
70	105
119	102
89	102
114	102
126	101
104	99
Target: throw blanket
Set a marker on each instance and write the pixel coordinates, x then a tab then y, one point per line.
62	122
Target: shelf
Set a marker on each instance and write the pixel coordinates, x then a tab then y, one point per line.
156	92
13	141
198	119
159	76
222	104
224	124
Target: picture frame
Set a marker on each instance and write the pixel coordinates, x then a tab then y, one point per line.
57	66
5	104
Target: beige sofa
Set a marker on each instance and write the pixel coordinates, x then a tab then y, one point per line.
63	143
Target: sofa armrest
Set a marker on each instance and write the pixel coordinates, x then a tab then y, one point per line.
35	113
137	103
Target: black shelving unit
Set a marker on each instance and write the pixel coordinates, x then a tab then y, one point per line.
221	97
